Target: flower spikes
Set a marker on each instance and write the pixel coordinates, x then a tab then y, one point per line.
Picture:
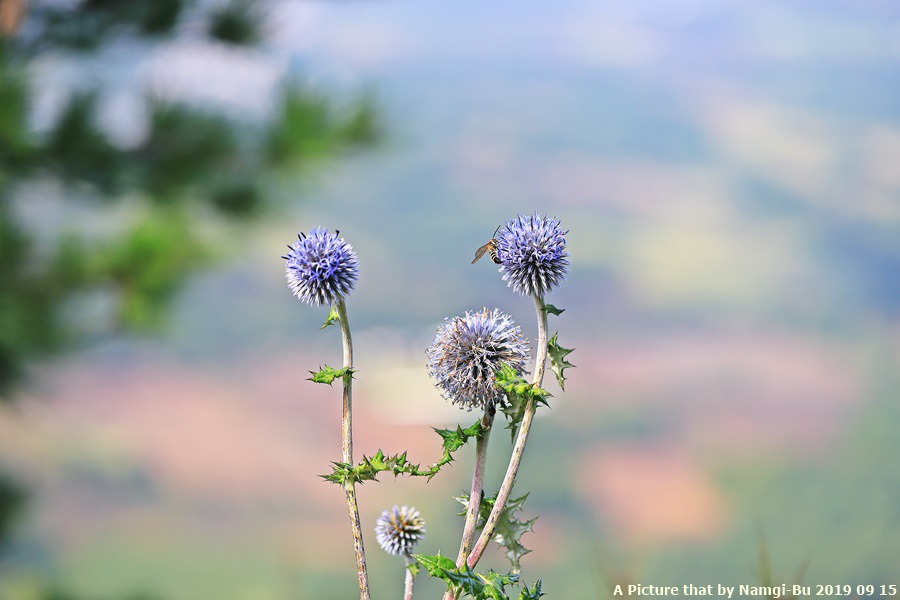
532	254
321	267
467	352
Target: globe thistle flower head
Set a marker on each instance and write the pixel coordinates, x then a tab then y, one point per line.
321	267
532	254
467	352
399	529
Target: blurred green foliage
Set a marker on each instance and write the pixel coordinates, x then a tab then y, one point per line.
238	22
193	163
309	125
86	25
11	501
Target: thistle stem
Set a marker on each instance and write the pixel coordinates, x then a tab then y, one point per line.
347	452
481	444
515	459
410	579
468	536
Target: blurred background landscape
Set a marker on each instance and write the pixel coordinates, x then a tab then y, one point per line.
729	174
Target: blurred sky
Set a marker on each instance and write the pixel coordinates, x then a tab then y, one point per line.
730	175
712	162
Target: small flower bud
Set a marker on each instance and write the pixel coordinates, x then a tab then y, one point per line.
399	529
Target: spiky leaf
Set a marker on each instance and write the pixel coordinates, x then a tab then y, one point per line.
480	586
552	310
518	393
435	565
513	384
328	374
413	568
532	594
558	360
514	409
369	467
333	317
484	586
455	439
510	528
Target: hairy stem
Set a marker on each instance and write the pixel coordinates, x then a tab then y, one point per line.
410	579
468	536
509	479
347	453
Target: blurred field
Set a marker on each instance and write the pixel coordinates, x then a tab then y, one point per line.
730	175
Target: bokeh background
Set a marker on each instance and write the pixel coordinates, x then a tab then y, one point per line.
730	176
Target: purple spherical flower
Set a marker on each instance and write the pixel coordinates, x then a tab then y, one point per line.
467	352
532	254
321	267
399	529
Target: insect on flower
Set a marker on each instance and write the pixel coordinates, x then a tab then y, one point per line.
490	247
532	253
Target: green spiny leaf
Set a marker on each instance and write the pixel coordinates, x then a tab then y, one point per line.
340	473
509	532
455	439
512	383
398	464
413	568
518	393
532	594
487	586
370	466
435	565
333	317
499	581
552	310
558	360
328	374
510	528
465	579
514	409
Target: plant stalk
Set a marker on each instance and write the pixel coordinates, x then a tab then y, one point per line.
468	536
481	444
347	452
515	459
410	579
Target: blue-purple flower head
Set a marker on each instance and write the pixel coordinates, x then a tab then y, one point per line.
321	267
398	530
532	254
467	351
